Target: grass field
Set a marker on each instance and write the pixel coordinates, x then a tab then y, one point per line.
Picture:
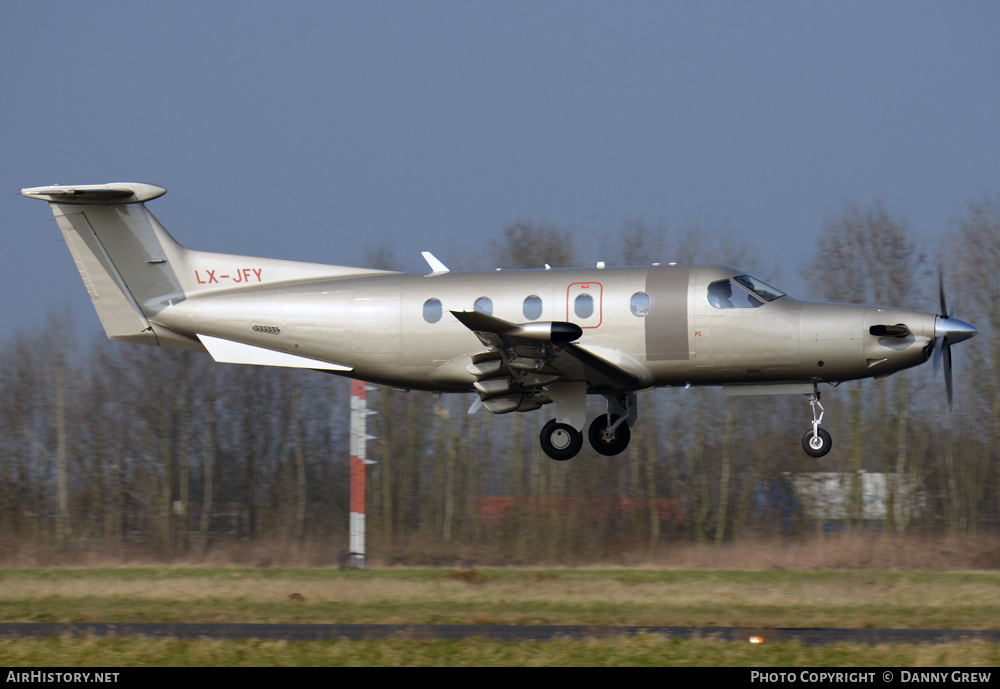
501	596
504	596
649	650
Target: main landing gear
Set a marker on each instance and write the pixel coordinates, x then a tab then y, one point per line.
609	433
816	442
560	441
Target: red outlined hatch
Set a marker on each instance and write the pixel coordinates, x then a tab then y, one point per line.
584	304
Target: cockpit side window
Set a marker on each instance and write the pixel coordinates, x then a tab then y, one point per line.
720	294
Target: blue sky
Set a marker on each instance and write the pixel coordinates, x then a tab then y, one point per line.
310	130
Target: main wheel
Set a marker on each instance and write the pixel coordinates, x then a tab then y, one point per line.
560	441
605	442
817	446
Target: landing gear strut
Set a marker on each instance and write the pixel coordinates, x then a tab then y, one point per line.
816	442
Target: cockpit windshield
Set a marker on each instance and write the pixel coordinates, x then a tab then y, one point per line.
760	288
741	292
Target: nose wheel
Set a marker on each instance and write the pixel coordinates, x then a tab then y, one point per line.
816	442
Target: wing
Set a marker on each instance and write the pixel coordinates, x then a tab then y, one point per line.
531	364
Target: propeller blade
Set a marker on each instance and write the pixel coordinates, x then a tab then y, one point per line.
936	354
947	373
947	331
944	304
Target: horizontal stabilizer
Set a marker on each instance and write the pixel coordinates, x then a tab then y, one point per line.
231	352
115	192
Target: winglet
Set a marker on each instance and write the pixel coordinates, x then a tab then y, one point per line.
437	268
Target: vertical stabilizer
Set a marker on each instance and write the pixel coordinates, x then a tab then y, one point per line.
133	269
127	237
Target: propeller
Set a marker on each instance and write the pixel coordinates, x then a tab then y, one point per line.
947	331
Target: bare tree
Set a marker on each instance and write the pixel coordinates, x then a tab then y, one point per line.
381	256
531	245
976	291
640	243
866	256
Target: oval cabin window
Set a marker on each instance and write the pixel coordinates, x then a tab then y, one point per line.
432	310
640	304
532	307
484	305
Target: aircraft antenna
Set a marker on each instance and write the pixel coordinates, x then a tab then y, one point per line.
437	267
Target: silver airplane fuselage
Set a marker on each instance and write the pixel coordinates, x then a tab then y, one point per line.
375	325
519	339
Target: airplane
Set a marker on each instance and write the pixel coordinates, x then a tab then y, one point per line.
521	339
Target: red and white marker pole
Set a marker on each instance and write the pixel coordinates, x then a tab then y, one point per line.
359	437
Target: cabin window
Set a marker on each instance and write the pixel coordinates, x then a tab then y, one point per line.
432	310
583	306
532	307
640	304
484	305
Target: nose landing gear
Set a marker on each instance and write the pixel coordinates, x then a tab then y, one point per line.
816	442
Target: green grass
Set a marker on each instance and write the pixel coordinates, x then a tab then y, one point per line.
592	597
643	650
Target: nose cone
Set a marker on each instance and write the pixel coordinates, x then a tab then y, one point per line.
953	329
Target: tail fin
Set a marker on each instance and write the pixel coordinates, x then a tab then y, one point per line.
132	267
128	237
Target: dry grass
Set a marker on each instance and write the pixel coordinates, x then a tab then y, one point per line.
844	551
609	587
861	551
